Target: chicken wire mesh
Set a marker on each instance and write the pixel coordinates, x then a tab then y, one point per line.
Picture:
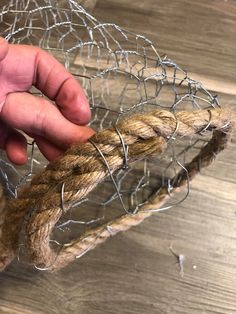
121	73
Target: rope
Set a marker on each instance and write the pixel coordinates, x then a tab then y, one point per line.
72	176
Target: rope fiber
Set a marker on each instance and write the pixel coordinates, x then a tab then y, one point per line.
71	177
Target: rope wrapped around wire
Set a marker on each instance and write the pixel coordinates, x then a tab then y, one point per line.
84	165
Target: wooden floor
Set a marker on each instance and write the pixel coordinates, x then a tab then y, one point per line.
135	272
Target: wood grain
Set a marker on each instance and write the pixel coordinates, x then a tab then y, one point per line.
135	272
199	36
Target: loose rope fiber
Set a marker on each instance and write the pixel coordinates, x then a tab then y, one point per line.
72	176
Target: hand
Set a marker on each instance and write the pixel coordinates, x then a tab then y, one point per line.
54	128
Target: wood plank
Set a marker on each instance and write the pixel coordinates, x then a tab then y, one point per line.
210	83
200	36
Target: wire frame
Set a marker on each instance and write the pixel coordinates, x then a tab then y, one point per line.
122	73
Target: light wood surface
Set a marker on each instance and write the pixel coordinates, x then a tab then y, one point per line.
199	36
135	272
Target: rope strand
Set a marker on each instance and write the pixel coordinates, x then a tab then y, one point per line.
82	168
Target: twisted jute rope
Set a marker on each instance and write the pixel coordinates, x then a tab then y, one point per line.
83	167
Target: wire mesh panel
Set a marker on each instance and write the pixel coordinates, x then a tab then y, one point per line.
122	74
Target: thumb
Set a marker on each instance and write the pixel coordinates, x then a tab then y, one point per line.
3	48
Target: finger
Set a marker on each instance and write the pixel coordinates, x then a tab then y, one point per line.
25	66
3	48
14	143
16	148
59	85
73	103
38	116
49	150
5	132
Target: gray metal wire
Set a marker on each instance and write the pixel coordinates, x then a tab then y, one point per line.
122	73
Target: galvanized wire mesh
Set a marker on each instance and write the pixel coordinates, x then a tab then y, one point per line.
121	73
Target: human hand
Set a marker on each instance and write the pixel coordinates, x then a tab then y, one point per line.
54	128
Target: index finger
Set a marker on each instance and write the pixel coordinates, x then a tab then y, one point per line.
59	85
